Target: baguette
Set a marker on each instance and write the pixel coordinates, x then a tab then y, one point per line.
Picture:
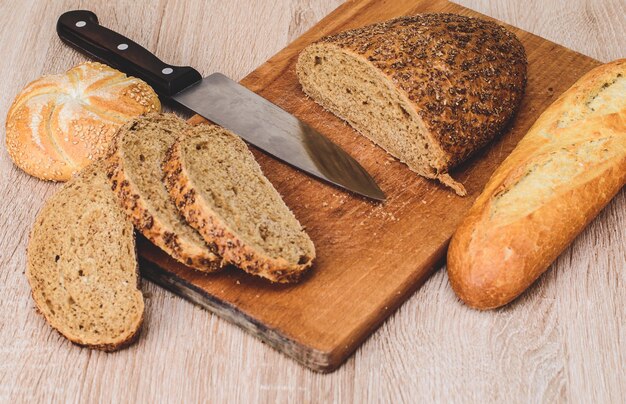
558	178
61	123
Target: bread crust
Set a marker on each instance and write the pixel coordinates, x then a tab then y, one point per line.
230	247
34	284
500	249
51	135
135	207
463	77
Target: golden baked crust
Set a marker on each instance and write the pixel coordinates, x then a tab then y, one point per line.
558	178
465	76
59	124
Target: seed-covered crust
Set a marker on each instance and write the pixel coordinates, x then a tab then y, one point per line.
201	258
465	76
230	246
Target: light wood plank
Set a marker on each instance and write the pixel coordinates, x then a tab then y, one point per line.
566	338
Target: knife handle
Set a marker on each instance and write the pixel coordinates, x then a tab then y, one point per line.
80	29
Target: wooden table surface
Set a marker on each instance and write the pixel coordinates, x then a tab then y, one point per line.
565	339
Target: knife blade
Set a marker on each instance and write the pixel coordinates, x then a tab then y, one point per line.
224	102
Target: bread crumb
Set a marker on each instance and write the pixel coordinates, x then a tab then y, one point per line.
379	212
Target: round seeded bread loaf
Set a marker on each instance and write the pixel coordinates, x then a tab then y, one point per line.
430	89
222	192
82	264
59	124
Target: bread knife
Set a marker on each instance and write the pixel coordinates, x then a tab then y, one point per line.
224	102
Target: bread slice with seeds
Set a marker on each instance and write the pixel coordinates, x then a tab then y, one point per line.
221	191
134	167
82	264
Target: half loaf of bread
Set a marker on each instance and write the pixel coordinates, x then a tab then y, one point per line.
430	89
134	168
221	191
82	265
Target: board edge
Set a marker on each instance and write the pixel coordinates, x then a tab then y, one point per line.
314	359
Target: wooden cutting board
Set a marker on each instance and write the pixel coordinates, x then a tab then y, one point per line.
370	257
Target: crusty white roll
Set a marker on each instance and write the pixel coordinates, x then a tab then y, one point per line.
558	178
60	123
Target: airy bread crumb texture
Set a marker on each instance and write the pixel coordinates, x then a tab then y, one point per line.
222	191
359	94
134	167
82	265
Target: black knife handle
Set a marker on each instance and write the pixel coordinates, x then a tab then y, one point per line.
81	30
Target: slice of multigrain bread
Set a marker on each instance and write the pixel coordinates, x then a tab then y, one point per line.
221	191
82	264
134	168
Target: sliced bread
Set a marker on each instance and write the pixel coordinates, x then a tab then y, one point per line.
134	168
430	89
82	264
222	192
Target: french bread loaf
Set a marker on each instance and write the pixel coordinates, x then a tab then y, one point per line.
220	189
430	89
558	178
134	168
82	265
